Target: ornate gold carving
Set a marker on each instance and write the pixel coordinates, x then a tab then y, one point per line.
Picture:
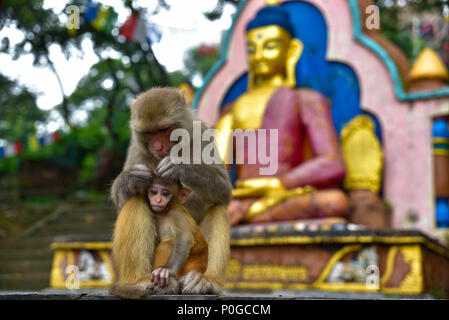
363	155
65	251
429	65
272	199
223	134
272	2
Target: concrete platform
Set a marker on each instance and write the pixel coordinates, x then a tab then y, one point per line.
102	294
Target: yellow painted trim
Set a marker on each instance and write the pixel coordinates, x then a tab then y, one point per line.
322	239
390	266
266	285
56	278
351	287
105	256
441	140
413	282
439	152
94	284
256	241
333	260
348	286
82	245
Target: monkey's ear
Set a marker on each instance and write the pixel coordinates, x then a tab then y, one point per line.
183	195
183	96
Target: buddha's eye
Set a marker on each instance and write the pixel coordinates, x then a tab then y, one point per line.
271	45
251	48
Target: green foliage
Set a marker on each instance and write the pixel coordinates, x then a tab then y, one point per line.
18	112
197	64
399	33
217	12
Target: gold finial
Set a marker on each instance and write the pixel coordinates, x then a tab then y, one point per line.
428	65
272	2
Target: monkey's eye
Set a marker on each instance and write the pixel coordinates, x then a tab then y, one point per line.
148	134
153	192
165	193
163	130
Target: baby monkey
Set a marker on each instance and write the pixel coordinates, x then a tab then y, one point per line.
182	247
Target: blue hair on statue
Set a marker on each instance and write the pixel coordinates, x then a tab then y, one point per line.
271	15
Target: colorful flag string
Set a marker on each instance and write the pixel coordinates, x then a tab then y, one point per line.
12	149
134	29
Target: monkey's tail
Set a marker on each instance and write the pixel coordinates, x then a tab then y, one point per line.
128	291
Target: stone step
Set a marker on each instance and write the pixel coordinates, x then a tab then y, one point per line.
78	225
91	209
25	254
53	232
86	219
26	243
25	266
28	281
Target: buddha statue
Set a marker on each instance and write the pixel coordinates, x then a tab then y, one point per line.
311	166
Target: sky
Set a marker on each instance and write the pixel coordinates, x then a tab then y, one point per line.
183	26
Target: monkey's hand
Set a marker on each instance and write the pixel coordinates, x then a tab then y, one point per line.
163	282
131	182
161	276
166	169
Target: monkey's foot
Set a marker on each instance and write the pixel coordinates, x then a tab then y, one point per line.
173	287
198	283
129	291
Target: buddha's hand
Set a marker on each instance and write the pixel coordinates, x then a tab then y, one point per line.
257	187
238	208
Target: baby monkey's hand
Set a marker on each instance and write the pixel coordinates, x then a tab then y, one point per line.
161	276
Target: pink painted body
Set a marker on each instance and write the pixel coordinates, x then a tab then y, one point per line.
297	115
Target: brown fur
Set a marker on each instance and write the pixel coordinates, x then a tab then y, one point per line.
210	185
134	239
197	259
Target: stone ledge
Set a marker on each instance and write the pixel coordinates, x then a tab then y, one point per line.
101	294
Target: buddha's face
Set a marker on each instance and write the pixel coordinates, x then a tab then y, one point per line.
267	50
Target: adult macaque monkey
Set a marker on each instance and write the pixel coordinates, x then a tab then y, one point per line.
182	247
154	115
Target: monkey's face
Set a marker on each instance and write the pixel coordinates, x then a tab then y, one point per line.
160	197
158	141
154	115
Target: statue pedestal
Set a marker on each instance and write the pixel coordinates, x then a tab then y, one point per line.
326	255
285	256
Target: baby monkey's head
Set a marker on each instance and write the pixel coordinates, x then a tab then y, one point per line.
163	194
